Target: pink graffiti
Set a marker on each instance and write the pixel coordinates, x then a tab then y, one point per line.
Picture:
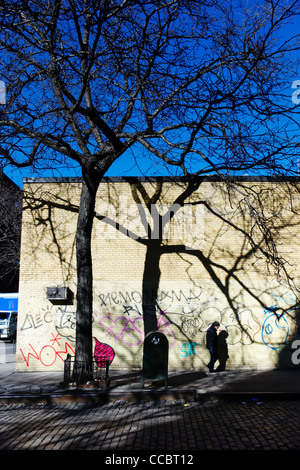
103	352
131	334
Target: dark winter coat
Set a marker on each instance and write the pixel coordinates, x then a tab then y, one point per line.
211	338
222	348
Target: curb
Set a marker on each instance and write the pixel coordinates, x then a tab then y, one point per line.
102	397
247	396
98	396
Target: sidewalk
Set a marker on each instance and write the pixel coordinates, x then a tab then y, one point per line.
186	385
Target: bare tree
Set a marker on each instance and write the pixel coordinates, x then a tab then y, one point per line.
10	233
193	85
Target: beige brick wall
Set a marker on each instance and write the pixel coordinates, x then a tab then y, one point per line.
208	268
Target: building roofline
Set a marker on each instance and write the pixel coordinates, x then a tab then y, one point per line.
133	179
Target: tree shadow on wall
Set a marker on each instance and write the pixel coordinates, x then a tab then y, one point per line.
155	225
47	230
248	217
244	210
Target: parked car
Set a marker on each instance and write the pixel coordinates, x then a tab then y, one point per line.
8	325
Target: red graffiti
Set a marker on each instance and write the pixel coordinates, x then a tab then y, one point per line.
48	354
55	339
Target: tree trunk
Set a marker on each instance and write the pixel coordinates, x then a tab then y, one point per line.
151	278
83	353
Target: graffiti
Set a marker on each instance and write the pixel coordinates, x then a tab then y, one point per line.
190	326
36	321
275	329
103	352
48	353
67	324
188	349
122	312
136	297
241	326
181	314
66	321
130	331
123	329
193	318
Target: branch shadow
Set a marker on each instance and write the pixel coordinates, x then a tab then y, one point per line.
243	212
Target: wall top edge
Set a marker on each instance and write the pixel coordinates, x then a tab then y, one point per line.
132	179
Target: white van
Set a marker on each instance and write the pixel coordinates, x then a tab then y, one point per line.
8	325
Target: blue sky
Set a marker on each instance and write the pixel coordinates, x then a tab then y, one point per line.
126	165
132	163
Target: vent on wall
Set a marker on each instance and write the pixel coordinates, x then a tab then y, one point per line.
58	294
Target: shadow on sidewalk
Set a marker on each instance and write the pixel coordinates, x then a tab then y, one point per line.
175	379
185	378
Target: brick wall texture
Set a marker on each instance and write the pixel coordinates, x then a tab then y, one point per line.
182	253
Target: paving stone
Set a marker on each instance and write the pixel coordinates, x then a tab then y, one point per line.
164	426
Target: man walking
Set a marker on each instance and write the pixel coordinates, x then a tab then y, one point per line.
211	344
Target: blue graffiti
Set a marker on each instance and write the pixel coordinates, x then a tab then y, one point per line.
188	349
271	328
